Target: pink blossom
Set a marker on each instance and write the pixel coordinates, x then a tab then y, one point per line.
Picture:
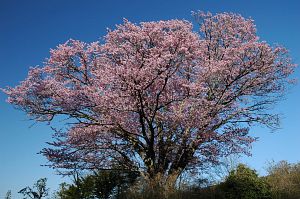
157	96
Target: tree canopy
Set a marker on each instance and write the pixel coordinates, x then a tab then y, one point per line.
158	97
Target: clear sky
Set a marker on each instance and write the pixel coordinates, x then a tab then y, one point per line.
28	29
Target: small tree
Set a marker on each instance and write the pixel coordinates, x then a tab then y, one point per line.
244	183
8	195
38	191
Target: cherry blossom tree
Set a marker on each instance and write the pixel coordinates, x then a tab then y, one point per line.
157	96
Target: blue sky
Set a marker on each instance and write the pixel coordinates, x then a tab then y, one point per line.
28	29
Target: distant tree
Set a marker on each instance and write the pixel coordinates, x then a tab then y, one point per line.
8	195
244	183
284	179
157	96
38	191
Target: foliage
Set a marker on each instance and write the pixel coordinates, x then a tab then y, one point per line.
284	179
282	182
246	184
157	96
38	191
8	195
101	184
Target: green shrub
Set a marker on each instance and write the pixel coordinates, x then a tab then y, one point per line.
244	183
101	185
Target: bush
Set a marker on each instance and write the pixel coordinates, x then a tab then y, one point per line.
102	185
244	183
